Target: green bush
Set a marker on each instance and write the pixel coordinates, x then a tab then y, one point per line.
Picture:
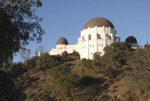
63	80
17	69
86	63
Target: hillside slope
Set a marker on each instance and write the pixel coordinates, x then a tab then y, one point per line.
122	74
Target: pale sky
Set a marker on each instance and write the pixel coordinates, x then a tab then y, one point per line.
66	18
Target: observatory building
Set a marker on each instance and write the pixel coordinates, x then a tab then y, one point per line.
96	34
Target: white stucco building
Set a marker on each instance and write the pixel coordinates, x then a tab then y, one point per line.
95	35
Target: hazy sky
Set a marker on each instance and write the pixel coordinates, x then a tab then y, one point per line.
66	18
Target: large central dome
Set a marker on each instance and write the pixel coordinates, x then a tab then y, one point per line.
99	22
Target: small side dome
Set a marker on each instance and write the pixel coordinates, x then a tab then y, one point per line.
131	40
62	41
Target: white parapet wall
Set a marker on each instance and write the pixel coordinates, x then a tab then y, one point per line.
62	48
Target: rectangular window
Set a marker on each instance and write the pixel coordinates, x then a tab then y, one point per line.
98	36
89	37
108	36
83	38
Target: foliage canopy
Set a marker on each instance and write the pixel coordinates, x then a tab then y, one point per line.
18	25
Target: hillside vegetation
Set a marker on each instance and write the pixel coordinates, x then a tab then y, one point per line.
121	74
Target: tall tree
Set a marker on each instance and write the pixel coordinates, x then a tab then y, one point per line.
25	53
115	58
41	48
18	26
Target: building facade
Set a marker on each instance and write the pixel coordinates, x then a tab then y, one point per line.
96	34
